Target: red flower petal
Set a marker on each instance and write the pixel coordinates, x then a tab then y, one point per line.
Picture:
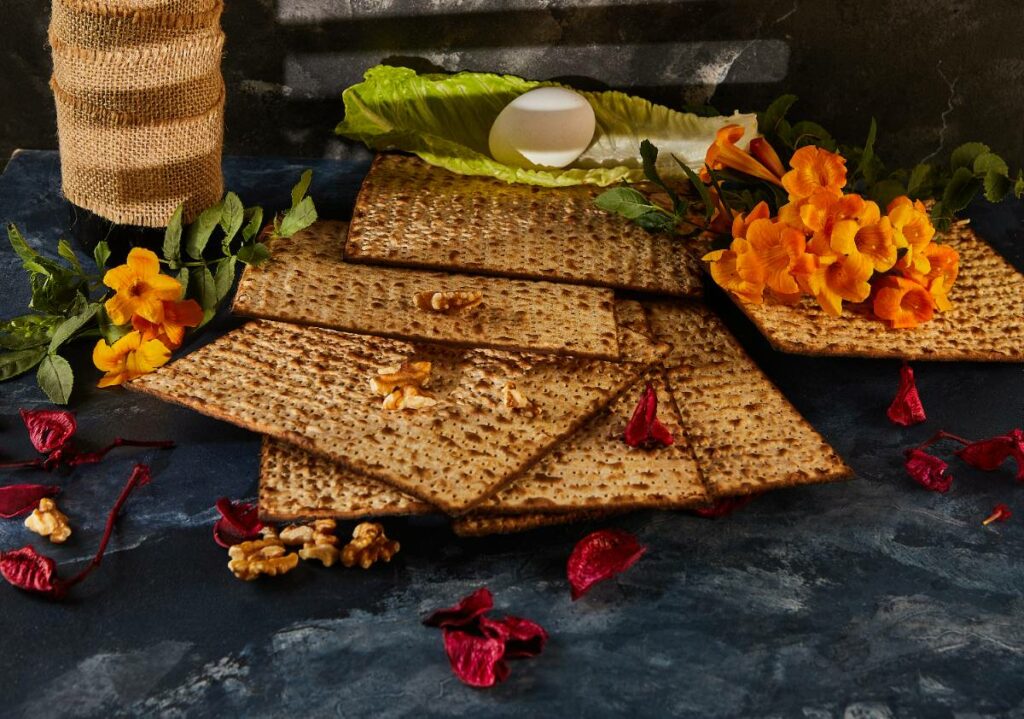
28	570
600	555
523	638
239	522
49	429
928	471
1000	513
476	660
724	507
644	429
906	408
988	454
465	613
18	499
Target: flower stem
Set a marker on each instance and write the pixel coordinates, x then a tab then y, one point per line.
26	464
97	456
939	436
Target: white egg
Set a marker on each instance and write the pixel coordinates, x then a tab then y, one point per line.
547	127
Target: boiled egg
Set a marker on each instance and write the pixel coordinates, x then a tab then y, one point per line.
548	127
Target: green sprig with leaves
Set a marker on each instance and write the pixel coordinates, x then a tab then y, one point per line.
67	300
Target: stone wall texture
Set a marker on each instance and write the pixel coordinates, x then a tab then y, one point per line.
933	72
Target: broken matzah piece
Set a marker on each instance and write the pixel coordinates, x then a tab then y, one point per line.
308	282
312	387
986	323
745	434
473	525
412	214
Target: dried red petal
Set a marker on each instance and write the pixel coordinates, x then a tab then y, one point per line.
644	429
906	408
465	613
28	570
600	555
928	471
476	660
19	499
239	522
724	507
523	638
988	454
1000	513
49	429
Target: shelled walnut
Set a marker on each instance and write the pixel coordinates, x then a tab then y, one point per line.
266	556
515	400
448	301
408	398
317	539
48	521
368	545
408	374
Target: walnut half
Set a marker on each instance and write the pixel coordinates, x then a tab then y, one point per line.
408	398
317	539
408	374
262	556
449	301
368	545
48	521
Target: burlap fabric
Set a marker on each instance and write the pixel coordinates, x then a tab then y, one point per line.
140	106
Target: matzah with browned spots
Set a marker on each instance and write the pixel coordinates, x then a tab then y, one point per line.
308	282
745	434
310	386
986	323
412	214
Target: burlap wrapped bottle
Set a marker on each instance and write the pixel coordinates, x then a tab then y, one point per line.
140	106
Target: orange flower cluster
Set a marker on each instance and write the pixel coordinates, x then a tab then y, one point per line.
151	303
827	244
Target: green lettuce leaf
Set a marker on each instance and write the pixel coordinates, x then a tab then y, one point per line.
446	119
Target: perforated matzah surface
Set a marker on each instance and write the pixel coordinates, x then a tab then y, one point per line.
985	324
310	386
308	282
745	434
413	214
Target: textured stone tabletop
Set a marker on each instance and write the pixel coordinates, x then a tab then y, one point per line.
872	598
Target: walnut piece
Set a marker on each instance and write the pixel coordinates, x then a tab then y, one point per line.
368	545
516	400
408	397
249	560
48	521
449	301
408	374
317	539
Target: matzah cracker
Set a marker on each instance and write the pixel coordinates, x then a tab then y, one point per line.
481	526
308	282
745	434
295	484
310	386
412	214
986	323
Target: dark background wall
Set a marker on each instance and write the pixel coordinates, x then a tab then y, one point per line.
934	72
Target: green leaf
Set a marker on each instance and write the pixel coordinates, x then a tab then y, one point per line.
997	186
255	254
298	218
56	378
989	161
111	332
625	201
183	277
198	233
172	238
806	132
1018	186
867	154
26	253
203	289
919	184
657	222
700	187
65	251
965	155
231	219
253	223
18	362
225	277
885	191
26	331
66	329
962	188
101	254
768	121
301	188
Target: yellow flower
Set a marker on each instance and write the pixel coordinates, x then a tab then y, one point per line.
140	288
945	265
838	278
779	251
904	303
741	222
727	276
912	229
170	331
723	154
128	358
814	169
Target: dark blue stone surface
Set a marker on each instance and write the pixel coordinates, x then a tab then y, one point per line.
871	598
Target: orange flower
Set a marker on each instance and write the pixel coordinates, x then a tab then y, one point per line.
903	302
140	288
761	149
171	330
945	265
912	229
814	169
741	222
838	278
727	276
779	251
128	358
723	154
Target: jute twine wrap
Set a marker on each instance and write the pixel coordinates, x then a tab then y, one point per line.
140	106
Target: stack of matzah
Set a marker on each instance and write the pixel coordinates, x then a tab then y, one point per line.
338	305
